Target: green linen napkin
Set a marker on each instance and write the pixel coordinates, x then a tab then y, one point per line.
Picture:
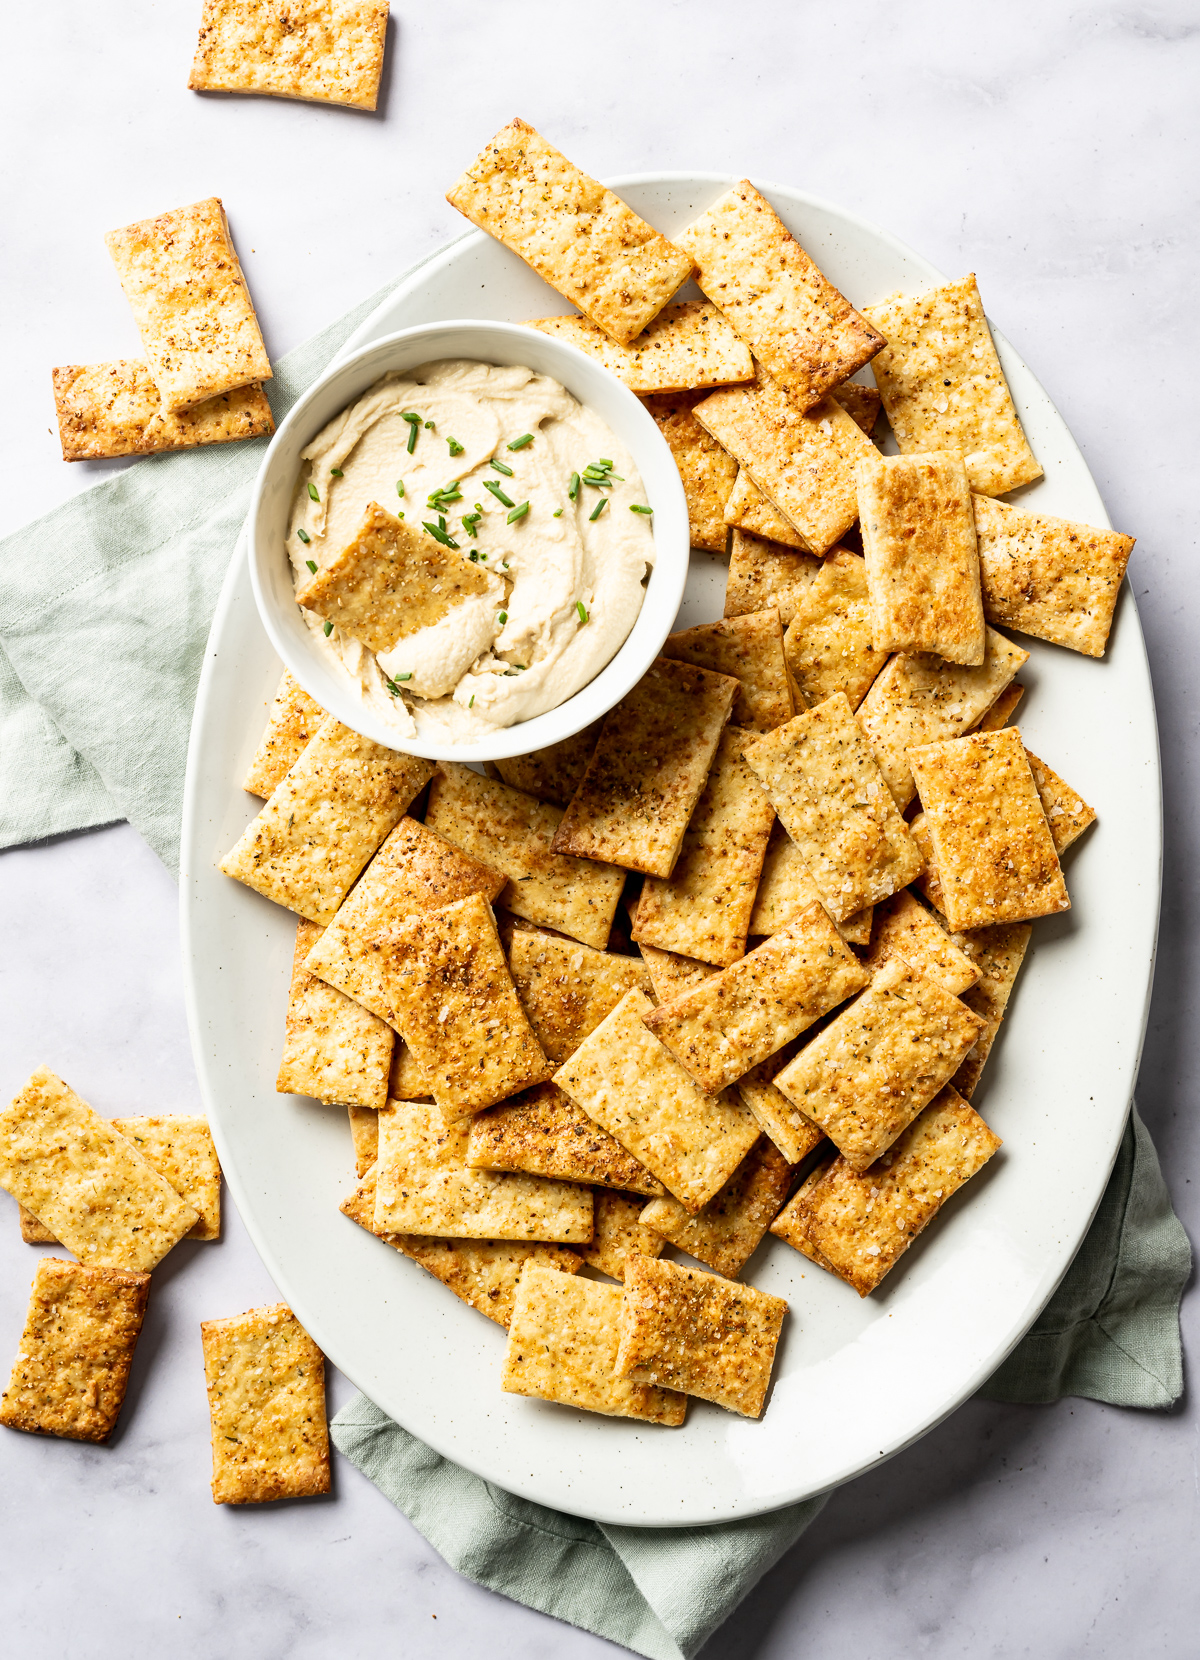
105	606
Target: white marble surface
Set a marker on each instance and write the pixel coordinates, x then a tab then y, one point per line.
1049	147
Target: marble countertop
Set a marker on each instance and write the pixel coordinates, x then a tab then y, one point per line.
1044	145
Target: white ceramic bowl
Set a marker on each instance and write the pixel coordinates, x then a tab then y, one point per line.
483	342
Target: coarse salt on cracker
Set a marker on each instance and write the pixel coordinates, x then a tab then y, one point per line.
786	889
566	989
181	276
72	1363
619	1233
749	647
562	1346
649	767
630	1083
687	346
326	52
793	1133
294	718
728	1230
861	403
706	471
180	1147
704	1335
1067	813
943	387
748	510
541	1132
334	1049
904	928
765	576
552	774
266	1400
578	236
997	953
829	645
670	973
796	322
109	409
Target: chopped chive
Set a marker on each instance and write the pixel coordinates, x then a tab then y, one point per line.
414	427
518	513
469	521
520	443
501	467
429	427
502	618
438	532
604	462
573	487
483	556
391	686
582	609
636	507
400	487
518	665
328	630
336	472
404	676
557	514
312	491
471	705
455	447
598	509
473	556
505	501
312	565
304	536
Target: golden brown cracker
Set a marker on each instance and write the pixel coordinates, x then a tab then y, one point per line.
727	1231
794	1134
566	989
326	52
904	928
333	1048
180	1147
619	1233
861	403
999	713
670	973
998	954
364	1133
110	409
748	510
1067	813
541	1132
764	576
686	346
829	643
706	471
785	889
750	648
552	774
294	718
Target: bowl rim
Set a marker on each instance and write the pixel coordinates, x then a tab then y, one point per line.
666	581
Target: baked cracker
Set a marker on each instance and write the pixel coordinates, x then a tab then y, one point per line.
903	928
334	1049
552	774
999	713
541	1132
786	889
861	403
327	52
727	1231
998	954
180	1147
364	1133
706	471
828	646
110	409
748	510
765	576
1067	813
793	1133
566	989
294	718
750	648
687	345
670	973
619	1233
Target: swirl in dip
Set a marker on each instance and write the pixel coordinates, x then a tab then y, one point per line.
565	578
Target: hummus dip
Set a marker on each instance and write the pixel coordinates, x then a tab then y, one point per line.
566	576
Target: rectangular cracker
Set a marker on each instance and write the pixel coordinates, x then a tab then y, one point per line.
33	1232
721	1029
325	820
1067	813
670	973
748	510
576	235
109	409
699	1333
829	643
552	774
995	854
85	1181
181	276
786	889
180	1147
415	870
727	1231
562	1346
333	1048
938	338
541	1132
903	928
424	1185
793	1133
750	648
921	700
861	1223
706	471
997	953
688	345
1000	711
619	1233
294	718
918	534
648	769
330	52
795	321
629	1082
482	1273
364	1133
72	1363
861	403
763	575
869	1073
566	989
450	995
266	1400
803	462
822	780
1053	578
517	834
389	581
703	910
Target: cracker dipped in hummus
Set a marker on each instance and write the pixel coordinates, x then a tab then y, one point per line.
471	544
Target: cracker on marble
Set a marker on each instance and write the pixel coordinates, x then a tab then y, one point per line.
330	52
997	953
903	928
552	774
748	510
786	889
829	645
109	409
749	647
706	471
728	1230
293	719
793	1132
542	1132
619	1233
333	1048
764	576
180	1147
566	989
670	973
364	1134
688	345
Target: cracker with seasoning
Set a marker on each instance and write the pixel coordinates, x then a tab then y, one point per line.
765	576
555	773
830	642
566	989
334	1049
619	1233
997	954
750	648
687	346
903	928
110	409
293	719
670	973
791	1131
326	52
747	509
706	471
729	1229
542	1132
786	889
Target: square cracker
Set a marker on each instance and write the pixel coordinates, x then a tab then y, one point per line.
266	1399
995	854
763	575
670	973
706	471
861	1223
1067	813
868	1074
921	699
108	409
829	643
578	236
619	1233
181	276
566	989
822	780
796	322
85	1181
749	647
804	462
517	834
922	561
294	718
727	1231
333	1049
541	1132
415	870
748	510
687	346
390	580
997	953
325	820
72	1363
180	1147
941	337
1052	578
707	1336
703	910
562	1346
786	889
722	1028
904	928
552	774
793	1133
648	769
424	1185
330	52
451	997
482	1273
1000	711
364	1133
629	1082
